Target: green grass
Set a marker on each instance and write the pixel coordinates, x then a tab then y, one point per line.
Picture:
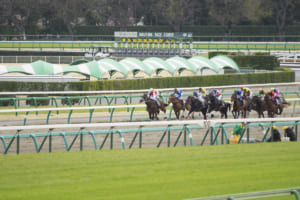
164	173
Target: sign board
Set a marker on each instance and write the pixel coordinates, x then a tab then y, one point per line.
153	37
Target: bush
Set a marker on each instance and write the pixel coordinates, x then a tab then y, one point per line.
263	62
7	102
285	75
39	102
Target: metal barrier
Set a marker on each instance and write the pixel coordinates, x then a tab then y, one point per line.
213	45
255	195
128	95
91	109
184	127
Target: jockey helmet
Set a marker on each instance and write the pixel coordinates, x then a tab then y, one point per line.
215	90
269	91
151	89
274	127
275	90
239	92
175	90
200	89
285	127
194	92
235	90
272	93
242	88
260	89
272	89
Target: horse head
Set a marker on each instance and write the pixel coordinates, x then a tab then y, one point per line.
144	98
189	100
233	97
171	98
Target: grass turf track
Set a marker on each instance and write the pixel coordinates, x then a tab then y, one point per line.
164	173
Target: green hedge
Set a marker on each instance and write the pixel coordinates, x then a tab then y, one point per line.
257	62
261	60
169	82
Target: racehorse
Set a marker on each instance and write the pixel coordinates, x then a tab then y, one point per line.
177	105
246	107
218	105
237	106
194	105
258	105
152	108
272	108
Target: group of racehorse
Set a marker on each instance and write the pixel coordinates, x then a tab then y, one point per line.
258	104
209	104
240	108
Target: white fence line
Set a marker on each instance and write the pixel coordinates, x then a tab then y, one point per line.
202	123
146	90
70	108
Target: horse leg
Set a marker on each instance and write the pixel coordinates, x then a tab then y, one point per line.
188	115
204	115
193	115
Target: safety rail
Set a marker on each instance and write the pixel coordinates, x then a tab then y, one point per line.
112	92
248	46
91	109
119	128
255	195
111	110
127	95
212	45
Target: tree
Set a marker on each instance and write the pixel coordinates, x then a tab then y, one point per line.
228	13
23	15
175	13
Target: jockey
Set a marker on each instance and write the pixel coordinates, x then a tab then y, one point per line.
216	93
239	95
202	94
153	95
178	93
275	95
247	92
196	95
261	93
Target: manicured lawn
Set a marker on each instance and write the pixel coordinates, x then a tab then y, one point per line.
164	173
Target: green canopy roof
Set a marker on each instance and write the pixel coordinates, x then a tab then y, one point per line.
135	65
203	63
180	64
225	62
158	64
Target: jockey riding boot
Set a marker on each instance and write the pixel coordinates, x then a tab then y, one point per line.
158	103
181	101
